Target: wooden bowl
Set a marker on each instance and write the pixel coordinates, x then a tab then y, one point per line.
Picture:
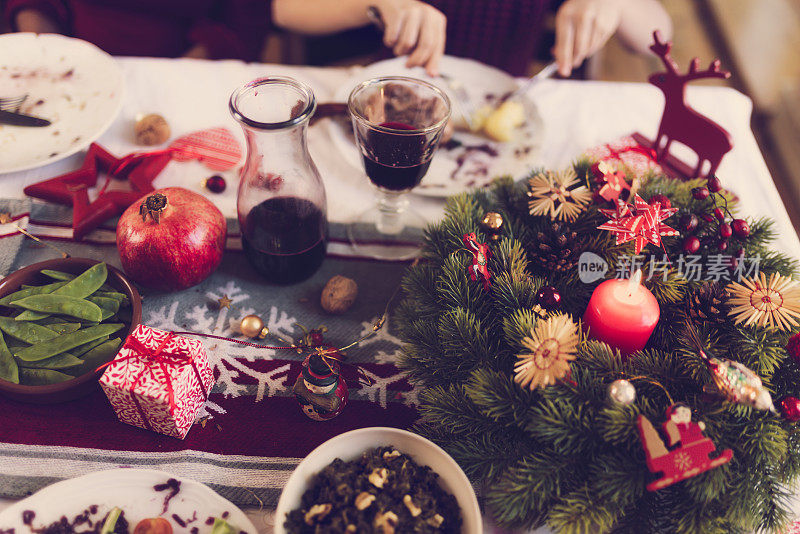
80	385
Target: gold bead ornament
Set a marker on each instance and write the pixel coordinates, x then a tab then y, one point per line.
253	326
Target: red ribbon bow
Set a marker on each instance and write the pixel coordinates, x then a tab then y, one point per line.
156	357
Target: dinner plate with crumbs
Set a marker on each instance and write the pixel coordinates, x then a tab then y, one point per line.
122	498
71	83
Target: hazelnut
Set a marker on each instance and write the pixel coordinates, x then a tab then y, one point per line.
413	509
317	512
351	528
364	500
385	522
151	129
378	477
435	521
338	294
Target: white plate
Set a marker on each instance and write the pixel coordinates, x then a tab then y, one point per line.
130	490
69	82
445	176
350	445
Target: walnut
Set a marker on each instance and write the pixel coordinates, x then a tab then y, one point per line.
317	512
378	477
435	521
364	500
338	294
389	455
413	509
151	129
385	522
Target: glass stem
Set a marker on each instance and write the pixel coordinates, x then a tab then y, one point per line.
391	206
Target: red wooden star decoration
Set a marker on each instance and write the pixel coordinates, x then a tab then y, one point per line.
642	224
72	188
613	181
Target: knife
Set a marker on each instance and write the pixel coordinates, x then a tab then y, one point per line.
19	119
546	72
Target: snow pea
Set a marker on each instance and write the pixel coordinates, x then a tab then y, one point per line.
30	290
63	328
8	365
63	343
81	286
116	295
80	350
42	377
59	361
61	275
105	303
26	331
99	355
62	305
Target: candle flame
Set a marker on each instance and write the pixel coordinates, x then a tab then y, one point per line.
634	281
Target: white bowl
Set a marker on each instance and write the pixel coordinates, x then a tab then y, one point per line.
350	445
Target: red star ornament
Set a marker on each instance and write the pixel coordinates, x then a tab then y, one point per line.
614	181
643	224
72	188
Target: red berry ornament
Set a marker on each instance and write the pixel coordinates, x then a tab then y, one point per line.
722	245
665	202
793	347
740	228
689	222
719	214
691	245
707	217
725	230
713	184
790	409
548	298
700	193
215	184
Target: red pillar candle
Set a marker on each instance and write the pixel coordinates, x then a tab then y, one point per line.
622	313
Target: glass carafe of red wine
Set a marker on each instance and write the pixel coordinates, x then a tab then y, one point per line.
281	200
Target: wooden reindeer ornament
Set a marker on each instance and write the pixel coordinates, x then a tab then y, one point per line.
680	122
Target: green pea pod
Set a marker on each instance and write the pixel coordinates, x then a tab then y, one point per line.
61	275
116	295
64	343
80	350
106	315
26	331
62	305
64	360
8	365
63	328
42	377
105	303
31	290
99	355
81	287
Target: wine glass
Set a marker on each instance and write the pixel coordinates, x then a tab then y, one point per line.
397	122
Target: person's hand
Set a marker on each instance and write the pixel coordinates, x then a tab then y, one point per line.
582	28
33	20
414	28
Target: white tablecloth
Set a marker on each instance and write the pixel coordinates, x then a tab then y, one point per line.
193	95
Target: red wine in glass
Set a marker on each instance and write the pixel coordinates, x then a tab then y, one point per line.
396	161
285	239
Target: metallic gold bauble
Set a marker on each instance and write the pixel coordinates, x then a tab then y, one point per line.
253	326
621	391
492	222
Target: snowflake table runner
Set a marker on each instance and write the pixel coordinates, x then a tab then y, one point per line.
251	414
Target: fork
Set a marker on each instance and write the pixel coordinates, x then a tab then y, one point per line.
12	103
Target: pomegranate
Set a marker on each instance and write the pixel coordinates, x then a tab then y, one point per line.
171	239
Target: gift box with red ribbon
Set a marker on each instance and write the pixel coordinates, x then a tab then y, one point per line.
628	152
158	381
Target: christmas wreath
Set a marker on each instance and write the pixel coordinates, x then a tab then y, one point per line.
560	428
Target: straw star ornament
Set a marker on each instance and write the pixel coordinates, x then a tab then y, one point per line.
761	301
553	344
555	194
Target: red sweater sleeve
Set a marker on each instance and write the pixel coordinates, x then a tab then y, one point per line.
238	31
55	10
